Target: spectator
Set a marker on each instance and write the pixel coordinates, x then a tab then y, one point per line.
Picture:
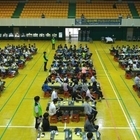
120	16
42	16
128	16
114	6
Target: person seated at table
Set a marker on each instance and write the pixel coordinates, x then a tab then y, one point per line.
76	96
66	87
97	90
89	94
89	125
46	124
137	80
59	80
2	85
88	109
46	88
75	79
93	79
129	69
54	95
13	70
49	79
84	70
3	70
84	85
77	69
134	65
53	110
52	70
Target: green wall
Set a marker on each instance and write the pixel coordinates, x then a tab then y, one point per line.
95	32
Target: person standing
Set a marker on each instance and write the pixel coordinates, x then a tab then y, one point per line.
69	37
53	43
45	61
37	111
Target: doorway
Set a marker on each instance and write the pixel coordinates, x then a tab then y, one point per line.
73	32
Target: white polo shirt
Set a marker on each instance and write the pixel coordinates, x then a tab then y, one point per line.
52	109
89	94
54	95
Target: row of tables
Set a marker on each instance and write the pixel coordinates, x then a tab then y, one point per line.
67	134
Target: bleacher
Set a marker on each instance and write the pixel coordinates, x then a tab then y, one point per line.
64	9
7	8
102	10
51	9
137	5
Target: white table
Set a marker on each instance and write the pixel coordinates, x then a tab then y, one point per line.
108	40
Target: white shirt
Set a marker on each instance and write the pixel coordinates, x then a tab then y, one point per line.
52	109
137	81
88	94
93	79
65	87
54	95
59	81
134	66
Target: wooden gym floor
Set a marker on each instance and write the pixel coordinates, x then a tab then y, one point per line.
118	115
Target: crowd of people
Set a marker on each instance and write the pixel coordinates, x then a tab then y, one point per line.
128	56
74	72
14	56
2	85
129	59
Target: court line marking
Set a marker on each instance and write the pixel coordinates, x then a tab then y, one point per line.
130	90
12	93
115	94
39	56
8	124
108	56
14	126
110	112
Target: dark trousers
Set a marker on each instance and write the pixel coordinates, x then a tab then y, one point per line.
53	46
58	113
53	128
37	122
45	65
94	113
